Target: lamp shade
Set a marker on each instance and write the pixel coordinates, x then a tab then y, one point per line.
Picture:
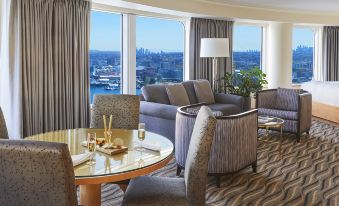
214	47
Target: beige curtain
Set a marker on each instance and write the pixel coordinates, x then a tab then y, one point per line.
208	28
53	44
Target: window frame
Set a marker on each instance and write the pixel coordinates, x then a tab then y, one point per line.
313	29
128	73
263	44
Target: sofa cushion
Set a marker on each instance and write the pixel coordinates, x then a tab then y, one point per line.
203	91
177	95
189	86
155	93
226	109
153	109
283	114
287	99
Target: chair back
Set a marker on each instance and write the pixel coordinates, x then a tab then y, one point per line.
3	128
124	108
196	166
36	173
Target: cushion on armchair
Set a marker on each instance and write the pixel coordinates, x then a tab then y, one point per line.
177	94
287	99
284	114
203	91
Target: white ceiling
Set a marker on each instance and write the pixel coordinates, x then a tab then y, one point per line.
319	6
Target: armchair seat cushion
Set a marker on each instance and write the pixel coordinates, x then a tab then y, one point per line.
151	190
283	114
226	109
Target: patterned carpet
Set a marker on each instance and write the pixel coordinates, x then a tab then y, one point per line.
289	173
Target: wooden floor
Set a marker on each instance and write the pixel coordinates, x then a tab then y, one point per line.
326	121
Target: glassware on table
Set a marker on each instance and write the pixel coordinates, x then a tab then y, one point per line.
141	134
91	146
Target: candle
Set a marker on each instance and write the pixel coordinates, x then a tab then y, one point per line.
110	123
105	125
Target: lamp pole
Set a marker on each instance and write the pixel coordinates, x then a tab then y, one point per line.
214	74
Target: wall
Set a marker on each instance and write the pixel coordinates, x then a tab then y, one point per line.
201	8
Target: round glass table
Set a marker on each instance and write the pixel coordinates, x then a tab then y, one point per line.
110	168
267	122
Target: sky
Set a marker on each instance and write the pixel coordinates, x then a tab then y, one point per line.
154	34
168	35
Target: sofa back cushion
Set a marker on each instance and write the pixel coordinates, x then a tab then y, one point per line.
177	95
189	86
155	93
287	99
203	91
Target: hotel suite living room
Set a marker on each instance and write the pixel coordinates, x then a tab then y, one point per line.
169	102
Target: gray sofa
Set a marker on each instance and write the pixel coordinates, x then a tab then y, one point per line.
159	115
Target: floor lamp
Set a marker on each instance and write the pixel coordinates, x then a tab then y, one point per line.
214	47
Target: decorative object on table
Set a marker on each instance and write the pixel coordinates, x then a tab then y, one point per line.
268	122
91	146
214	47
141	135
244	83
108	132
112	150
80	158
293	106
148	145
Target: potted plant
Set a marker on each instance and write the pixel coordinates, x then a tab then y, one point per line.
244	83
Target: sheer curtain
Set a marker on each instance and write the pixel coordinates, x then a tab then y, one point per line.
318	72
10	84
208	28
47	73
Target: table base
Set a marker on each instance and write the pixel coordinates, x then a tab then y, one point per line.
90	195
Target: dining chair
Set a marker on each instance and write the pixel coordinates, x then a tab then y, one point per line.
190	190
124	108
3	128
36	173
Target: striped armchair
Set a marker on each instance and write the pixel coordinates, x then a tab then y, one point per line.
234	145
293	106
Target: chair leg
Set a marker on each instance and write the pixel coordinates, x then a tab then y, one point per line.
217	180
298	138
308	132
179	170
254	166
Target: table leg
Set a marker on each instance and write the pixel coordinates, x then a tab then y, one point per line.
90	195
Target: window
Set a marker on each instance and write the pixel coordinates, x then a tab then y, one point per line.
303	44
246	47
159	54
105	53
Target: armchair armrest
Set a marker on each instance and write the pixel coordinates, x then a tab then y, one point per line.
153	109
305	111
229	99
266	98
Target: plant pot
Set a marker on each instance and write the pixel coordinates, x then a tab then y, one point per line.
247	103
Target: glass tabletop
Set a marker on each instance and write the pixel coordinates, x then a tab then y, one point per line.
110	164
264	120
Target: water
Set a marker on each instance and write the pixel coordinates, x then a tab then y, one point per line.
101	90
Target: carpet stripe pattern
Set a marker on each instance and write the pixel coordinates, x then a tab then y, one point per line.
289	173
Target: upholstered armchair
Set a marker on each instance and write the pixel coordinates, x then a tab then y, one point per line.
124	108
293	106
190	190
234	145
3	128
36	173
